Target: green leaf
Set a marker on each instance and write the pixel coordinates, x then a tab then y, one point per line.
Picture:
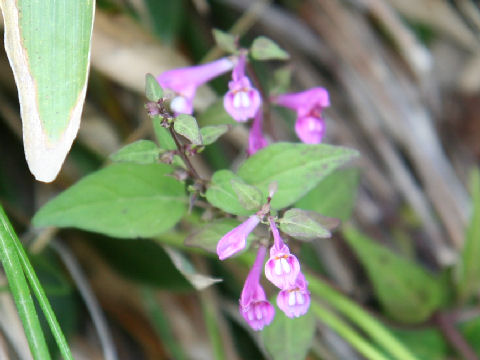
299	224
248	196
427	344
296	168
287	338
139	152
210	134
471	331
225	41
48	46
153	90
408	293
187	126
220	193
468	268
20	290
334	196
121	200
208	235
265	49
164	138
280	82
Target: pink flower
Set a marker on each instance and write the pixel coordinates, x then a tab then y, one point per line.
242	101
256	140
236	239
282	268
254	306
295	302
309	104
185	81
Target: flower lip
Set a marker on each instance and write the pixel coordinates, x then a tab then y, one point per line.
282	268
295	302
236	239
310	129
242	101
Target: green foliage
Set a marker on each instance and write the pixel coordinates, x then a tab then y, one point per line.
208	235
248	196
408	293
164	138
299	224
265	49
427	344
153	90
286	338
215	114
210	134
334	195
468	268
187	126
221	194
296	168
121	200
139	152
471	331
225	41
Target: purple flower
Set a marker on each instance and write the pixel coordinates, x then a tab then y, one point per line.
256	140
295	302
184	82
282	268
254	306
242	101
309	104
236	239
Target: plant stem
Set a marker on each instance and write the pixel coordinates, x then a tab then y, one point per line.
184	157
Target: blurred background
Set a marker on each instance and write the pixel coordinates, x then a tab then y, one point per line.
404	81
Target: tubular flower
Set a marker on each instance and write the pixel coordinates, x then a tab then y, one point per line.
254	306
256	140
236	239
282	268
185	81
309	104
242	101
295	302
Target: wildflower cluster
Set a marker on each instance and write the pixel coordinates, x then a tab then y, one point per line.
282	269
243	101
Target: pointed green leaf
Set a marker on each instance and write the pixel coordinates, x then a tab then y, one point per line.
122	200
210	134
48	46
248	196
334	195
408	293
468	269
297	168
265	49
287	339
153	90
208	235
139	152
299	224
220	193
225	41
187	126
426	344
163	136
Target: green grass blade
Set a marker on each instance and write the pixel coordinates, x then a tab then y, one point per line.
43	301
345	331
360	318
19	287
